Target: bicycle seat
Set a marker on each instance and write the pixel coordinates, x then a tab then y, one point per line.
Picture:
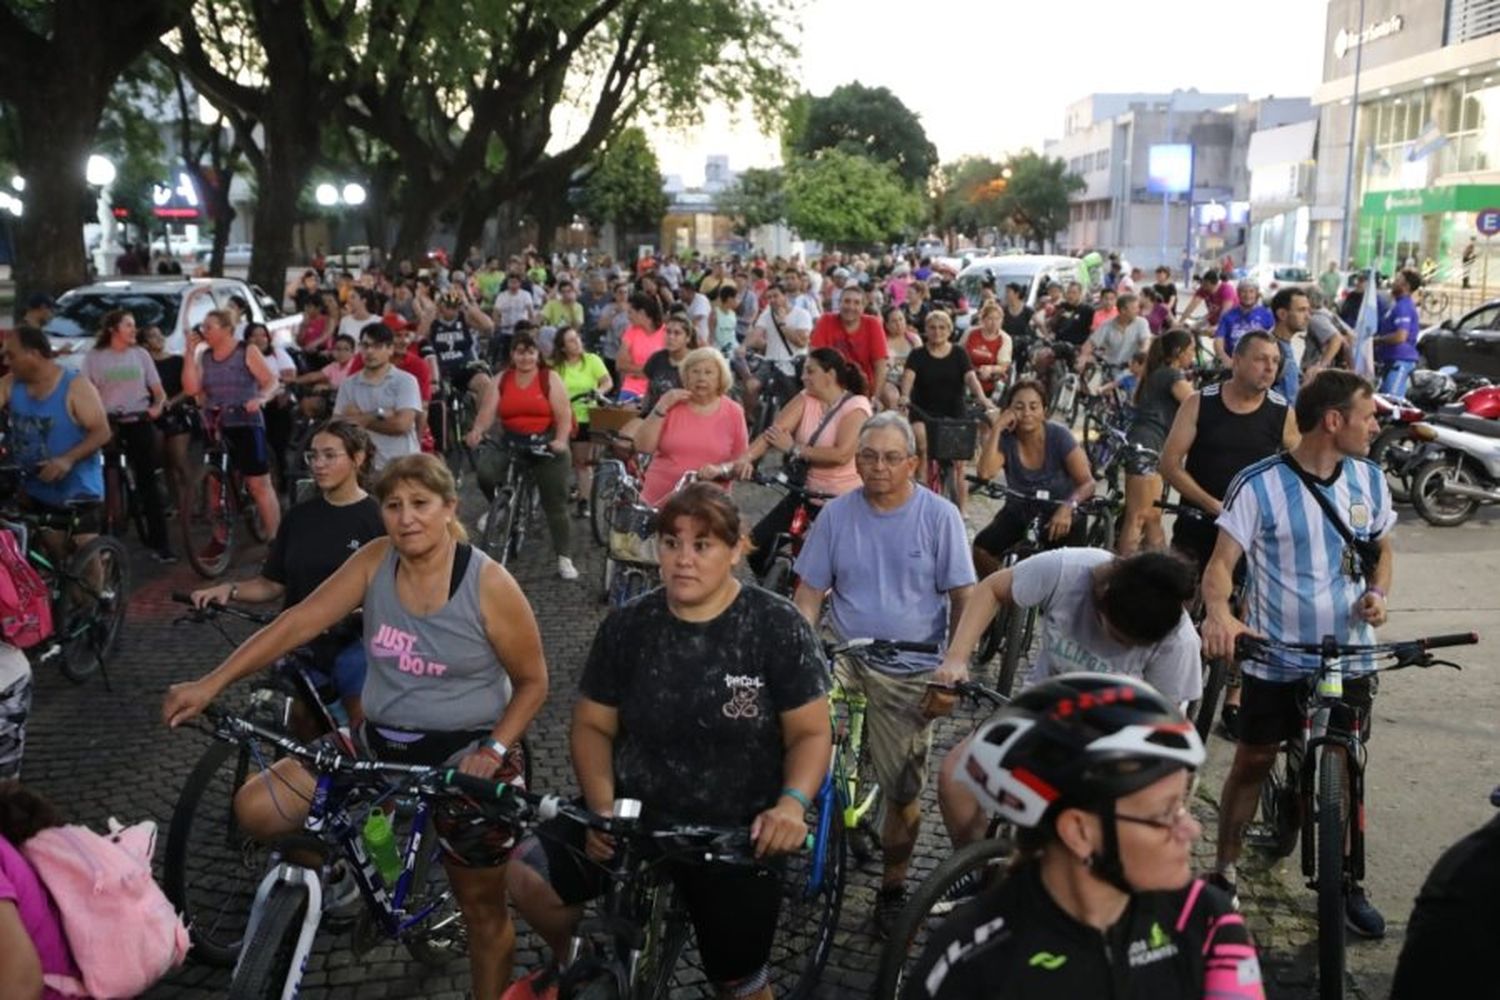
1473	425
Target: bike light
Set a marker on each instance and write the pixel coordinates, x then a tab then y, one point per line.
1423	432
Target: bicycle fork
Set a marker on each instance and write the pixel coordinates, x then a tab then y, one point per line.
1316	735
309	881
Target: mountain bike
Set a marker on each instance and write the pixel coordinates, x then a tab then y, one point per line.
513	508
1325	799
451	414
968	871
123	505
418	909
88	587
853	792
220	501
1011	632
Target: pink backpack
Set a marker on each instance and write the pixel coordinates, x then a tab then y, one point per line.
25	606
122	931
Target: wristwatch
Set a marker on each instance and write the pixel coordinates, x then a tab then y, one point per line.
379	413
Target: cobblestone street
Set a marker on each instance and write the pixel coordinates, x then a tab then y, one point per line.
100	753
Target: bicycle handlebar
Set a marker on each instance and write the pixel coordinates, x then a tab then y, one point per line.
1183	509
878	646
994	490
972	691
780	481
1406	653
215	608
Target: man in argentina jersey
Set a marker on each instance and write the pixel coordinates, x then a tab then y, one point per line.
1304	582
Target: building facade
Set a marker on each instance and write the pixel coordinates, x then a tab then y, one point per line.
1426	149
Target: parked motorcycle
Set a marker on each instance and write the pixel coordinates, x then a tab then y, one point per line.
1458	467
1394	449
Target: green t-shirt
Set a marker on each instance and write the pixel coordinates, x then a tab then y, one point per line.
489	283
581	376
559	313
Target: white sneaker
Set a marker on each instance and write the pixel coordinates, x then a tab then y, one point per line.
566	569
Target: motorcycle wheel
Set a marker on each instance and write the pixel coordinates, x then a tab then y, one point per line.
1439	509
1390	451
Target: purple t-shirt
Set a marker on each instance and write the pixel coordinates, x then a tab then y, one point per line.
20	885
1401	317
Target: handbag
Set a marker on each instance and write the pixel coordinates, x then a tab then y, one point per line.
796	469
1367	550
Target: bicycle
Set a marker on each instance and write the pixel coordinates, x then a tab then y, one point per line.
222	499
780	577
288	909
513	508
851	793
1013	629
630	565
88	589
123	505
211	867
1323	800
452	415
970	870
610	473
950	442
1433	302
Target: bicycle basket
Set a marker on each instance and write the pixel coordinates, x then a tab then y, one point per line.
631	535
611	418
951	440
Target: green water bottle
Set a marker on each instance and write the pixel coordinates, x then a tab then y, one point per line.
380	842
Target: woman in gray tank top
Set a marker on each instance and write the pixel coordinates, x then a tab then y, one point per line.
456	674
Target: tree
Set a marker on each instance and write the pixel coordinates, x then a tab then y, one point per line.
624	186
968	194
758	198
58	62
841	198
1036	196
866	121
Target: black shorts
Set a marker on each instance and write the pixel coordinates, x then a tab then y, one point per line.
90	516
1271	711
1009	526
733	908
459	378
247	450
470	838
1195	538
1143	463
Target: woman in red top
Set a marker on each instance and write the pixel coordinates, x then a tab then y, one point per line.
989	348
531	402
693	429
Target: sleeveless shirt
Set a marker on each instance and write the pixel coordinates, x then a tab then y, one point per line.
229	383
41	429
1228	442
436	671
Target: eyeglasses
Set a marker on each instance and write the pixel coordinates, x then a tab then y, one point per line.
1178	818
315	457
888	458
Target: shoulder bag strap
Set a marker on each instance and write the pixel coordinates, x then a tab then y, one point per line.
827	419
1323	502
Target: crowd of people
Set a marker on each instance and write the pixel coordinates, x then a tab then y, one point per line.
843	362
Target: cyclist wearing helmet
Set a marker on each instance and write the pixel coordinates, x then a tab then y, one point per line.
1096	772
449	328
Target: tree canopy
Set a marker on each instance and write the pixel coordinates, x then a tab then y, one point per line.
758	198
624	185
842	198
1036	195
865	121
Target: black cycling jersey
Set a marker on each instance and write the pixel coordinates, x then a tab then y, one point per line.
1015	942
454	344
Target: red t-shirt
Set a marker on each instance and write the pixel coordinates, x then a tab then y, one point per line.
525	409
864	346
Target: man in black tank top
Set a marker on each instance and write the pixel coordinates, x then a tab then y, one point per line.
1221	430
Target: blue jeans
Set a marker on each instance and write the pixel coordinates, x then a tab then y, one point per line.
1397	373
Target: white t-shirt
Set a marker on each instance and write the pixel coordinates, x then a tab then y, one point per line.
698	314
1073	638
512	307
778	348
349	326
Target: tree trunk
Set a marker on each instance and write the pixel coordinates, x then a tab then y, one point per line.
474	214
277	188
419	208
55	137
223	215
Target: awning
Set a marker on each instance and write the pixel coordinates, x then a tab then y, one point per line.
1271	147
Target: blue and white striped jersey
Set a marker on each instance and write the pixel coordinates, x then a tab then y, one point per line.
1297	589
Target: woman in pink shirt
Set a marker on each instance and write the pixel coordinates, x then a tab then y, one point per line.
643	338
696	428
32	943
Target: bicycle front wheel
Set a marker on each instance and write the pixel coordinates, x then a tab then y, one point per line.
270	955
212	867
812	896
1215	676
1017	630
495	537
95	591
208	526
970	870
602	494
1332	824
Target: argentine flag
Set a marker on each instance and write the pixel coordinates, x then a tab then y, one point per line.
1365	326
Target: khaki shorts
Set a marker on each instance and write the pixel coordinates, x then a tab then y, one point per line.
897	735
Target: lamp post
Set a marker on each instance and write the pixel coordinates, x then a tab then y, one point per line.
99	172
1359	55
351	194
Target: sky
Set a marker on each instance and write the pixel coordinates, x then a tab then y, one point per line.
992	76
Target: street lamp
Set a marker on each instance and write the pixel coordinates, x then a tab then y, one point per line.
18	183
354	194
327	195
99	171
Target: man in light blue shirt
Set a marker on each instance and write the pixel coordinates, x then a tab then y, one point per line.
892	559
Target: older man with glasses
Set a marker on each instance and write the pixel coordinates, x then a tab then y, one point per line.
892	561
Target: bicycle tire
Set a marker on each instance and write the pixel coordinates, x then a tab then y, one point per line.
914	925
208	520
116	516
1215	677
216	924
443	937
520	518
865	840
497	526
1016	628
780	577
992	638
1330	879
950	481
1096	444
1100	533
267	961
602	494
251	511
1281	800
95	592
809	912
667	936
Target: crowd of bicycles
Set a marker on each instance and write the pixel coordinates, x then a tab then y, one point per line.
578	391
